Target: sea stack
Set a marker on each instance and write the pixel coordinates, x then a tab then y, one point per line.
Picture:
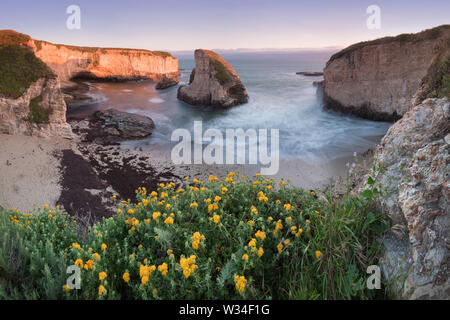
213	82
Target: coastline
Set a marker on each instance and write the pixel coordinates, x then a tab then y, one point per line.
82	177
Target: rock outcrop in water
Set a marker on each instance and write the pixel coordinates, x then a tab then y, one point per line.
415	153
213	82
166	83
384	78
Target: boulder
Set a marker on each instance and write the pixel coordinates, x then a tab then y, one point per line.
112	126
213	82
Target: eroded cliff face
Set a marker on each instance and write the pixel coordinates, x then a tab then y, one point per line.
40	111
415	155
213	82
116	64
384	78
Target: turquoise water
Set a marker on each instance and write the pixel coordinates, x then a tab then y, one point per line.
279	99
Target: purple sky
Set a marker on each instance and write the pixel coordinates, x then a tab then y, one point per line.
189	24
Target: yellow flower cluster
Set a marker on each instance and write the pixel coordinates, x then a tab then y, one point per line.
287	207
215	218
126	277
193	205
89	265
145	272
253	211
101	290
169	220
278	226
188	265
260	234
196	238
240	282
164	269
76	245
260	252
262	197
102	275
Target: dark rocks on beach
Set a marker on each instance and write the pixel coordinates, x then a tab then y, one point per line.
166	83
112	126
310	74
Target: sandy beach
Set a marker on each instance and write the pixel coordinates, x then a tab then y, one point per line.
83	177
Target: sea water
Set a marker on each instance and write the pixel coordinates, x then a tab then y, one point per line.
279	99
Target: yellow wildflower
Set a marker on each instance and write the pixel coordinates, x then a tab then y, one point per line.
101	290
169	220
245	257
318	254
126	277
260	252
280	247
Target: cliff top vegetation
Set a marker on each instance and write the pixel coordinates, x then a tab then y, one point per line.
428	34
19	68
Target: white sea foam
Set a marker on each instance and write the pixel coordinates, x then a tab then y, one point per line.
156	100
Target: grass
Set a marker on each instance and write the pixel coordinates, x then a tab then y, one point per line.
406	37
441	80
38	114
19	68
222	239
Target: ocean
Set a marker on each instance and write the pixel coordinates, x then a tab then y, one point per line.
279	99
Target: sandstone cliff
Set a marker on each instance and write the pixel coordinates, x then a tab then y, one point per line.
40	111
213	82
384	78
416	156
31	72
98	63
31	101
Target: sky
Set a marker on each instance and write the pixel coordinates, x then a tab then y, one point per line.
228	24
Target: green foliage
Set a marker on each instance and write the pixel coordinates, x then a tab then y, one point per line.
19	68
208	236
441	81
33	254
38	114
222	73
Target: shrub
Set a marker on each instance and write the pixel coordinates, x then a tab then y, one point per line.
223	239
19	68
38	114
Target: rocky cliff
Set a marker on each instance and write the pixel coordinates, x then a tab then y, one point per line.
40	111
31	101
415	155
213	82
31	72
98	63
384	78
